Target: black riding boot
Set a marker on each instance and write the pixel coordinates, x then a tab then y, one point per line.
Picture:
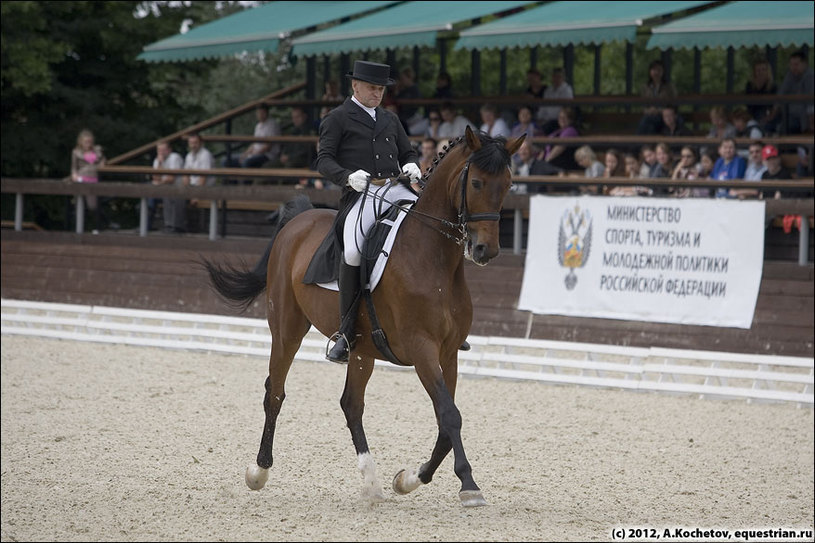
349	304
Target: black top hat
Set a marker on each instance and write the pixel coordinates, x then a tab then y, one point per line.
378	74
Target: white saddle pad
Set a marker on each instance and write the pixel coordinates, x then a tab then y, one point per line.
379	267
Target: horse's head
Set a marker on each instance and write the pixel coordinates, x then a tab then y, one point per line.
479	194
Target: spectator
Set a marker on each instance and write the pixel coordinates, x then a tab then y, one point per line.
632	166
453	125
729	166
706	164
560	90
407	89
198	158
85	159
525	124
614	166
688	169
259	152
295	154
429	146
174	209
561	155
444	87
672	123
433	129
774	170
745	125
761	83
799	80
332	92
719	127
587	159
649	161
664	165
493	124
535	87
755	162
657	86
527	162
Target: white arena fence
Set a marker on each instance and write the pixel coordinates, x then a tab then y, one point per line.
708	374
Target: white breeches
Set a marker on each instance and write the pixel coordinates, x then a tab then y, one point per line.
362	217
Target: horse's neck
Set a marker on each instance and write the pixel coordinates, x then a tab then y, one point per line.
438	195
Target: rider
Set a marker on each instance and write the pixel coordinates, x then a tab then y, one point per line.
358	141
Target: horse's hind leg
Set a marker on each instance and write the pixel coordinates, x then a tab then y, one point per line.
285	343
353	404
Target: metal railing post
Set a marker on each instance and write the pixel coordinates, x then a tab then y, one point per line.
143	212
213	220
18	212
80	214
517	229
803	241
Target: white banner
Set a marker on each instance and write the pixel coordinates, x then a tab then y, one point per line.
685	261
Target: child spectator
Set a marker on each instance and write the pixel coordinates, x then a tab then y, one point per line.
719	127
587	159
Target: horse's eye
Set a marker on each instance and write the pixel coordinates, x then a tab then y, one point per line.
477	183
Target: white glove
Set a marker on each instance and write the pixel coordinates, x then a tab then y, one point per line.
412	171
359	180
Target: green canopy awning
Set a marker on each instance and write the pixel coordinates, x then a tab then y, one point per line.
567	23
406	25
740	24
256	29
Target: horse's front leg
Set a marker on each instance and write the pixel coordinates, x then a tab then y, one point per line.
449	420
408	480
353	405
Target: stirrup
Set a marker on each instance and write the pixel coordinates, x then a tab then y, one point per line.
337	357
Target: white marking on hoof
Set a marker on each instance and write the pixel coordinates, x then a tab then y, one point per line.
256	477
406	481
371	487
472	498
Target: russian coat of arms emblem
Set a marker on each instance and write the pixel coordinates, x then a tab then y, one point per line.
574	242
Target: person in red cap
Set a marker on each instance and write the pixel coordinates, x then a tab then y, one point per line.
769	155
359	140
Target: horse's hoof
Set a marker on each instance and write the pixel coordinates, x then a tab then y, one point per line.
472	498
405	482
373	495
256	477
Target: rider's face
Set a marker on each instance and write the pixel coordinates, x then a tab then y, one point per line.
368	94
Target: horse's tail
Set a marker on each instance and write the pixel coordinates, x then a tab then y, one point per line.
239	286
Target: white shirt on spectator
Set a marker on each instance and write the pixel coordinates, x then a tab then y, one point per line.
266	129
454	129
173	162
202	160
499	128
754	171
550	113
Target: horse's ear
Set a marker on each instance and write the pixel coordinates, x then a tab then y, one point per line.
473	142
514	145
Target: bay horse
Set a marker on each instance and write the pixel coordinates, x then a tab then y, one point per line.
422	302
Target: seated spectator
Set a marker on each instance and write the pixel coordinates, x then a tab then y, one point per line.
587	159
664	165
799	80
295	154
688	169
657	86
433	129
761	83
444	86
632	166
774	170
428	154
755	163
535	86
719	127
648	160
527	162
706	163
561	155
744	123
175	209
672	123
614	166
332	92
729	166
407	89
259	152
198	158
493	124
559	90
453	125
525	124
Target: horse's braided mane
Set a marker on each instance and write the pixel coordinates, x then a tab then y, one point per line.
492	157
